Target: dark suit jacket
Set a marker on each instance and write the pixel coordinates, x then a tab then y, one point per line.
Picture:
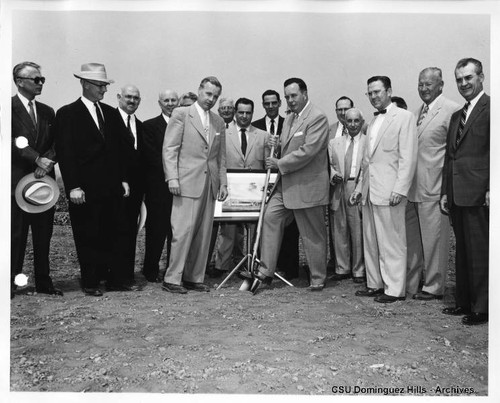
261	124
40	139
88	159
133	159
153	135
466	171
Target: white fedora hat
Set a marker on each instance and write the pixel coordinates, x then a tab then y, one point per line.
36	195
93	71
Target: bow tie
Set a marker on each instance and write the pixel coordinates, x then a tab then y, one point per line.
382	111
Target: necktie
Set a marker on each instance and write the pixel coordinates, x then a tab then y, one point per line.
32	112
206	125
344	131
423	114
348	160
129	128
272	128
463	117
227	125
100	119
380	112
243	141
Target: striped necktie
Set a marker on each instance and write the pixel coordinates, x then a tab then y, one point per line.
463	118
32	112
423	114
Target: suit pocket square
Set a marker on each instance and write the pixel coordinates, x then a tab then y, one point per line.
298	134
217	134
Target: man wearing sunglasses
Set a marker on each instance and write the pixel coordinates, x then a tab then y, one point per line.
90	155
32	152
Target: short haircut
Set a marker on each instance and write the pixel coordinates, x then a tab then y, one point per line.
271	92
342	98
435	70
400	102
21	66
386	81
356	110
226	99
212	80
189	95
302	85
464	62
243	101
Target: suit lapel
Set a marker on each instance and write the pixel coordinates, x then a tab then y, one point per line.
294	126
233	139
385	125
473	116
90	120
196	121
251	140
24	117
340	150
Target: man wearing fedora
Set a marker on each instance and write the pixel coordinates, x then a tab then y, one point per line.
32	154
89	147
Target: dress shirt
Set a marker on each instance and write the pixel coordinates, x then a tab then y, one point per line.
91	107
473	104
25	102
377	124
340	130
268	124
355	148
205	118
239	134
167	118
133	127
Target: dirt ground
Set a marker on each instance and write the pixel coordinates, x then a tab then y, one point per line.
281	341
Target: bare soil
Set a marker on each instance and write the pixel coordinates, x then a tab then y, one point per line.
281	341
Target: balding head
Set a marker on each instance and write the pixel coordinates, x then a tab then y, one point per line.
168	101
354	121
129	99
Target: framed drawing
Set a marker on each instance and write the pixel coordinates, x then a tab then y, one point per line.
245	195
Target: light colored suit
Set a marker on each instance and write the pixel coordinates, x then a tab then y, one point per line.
347	223
427	229
200	167
230	234
388	167
301	191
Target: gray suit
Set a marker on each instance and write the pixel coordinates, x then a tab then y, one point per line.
427	229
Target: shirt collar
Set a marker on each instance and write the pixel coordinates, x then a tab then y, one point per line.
475	100
167	118
24	100
431	105
304	108
125	115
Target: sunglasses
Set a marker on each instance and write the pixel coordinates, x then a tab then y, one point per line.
36	80
97	84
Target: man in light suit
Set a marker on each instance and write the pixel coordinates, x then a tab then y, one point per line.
339	128
32	152
387	172
346	154
129	99
465	193
90	153
427	230
301	189
158	199
288	259
194	160
245	149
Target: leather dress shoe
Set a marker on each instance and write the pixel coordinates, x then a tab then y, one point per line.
316	287
455	311
188	285
121	287
359	280
387	299
339	277
93	292
151	278
173	288
426	296
369	292
50	291
475	318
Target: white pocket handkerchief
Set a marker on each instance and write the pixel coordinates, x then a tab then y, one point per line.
217	134
298	134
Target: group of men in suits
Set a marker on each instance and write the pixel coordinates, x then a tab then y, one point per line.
407	171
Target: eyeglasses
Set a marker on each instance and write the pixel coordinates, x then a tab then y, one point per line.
36	80
98	84
342	109
375	93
